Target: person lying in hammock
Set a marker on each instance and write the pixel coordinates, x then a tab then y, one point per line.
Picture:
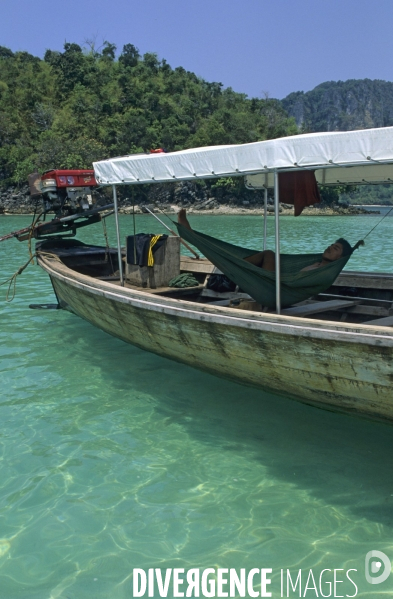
267	258
338	249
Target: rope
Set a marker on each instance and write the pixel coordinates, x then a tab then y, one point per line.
150	257
361	241
106	239
378	223
12	280
33	224
358	244
133	219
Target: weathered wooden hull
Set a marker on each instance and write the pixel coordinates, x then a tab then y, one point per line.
341	366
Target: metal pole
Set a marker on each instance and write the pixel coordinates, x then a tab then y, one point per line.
133	220
118	235
277	222
173	233
265	219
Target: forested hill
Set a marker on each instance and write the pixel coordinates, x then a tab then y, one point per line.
81	105
342	105
345	106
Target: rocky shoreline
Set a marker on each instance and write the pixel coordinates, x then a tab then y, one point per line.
197	199
285	210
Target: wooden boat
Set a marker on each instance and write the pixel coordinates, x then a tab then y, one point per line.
334	350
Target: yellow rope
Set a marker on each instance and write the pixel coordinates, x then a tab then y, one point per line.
150	257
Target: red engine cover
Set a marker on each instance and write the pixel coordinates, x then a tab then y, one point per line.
69	178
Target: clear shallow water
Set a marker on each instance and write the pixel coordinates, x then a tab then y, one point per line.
113	459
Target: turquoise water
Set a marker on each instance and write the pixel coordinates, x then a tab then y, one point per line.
113	459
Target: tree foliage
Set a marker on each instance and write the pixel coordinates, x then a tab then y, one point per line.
332	194
85	104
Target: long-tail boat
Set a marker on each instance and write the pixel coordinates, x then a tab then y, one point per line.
333	349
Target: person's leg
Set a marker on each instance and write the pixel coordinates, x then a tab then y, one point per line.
265	260
182	219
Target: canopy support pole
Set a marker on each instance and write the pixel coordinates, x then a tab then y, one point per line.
277	223
265	216
118	235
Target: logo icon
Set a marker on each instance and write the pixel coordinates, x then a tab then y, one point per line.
374	562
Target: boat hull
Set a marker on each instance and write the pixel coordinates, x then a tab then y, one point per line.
338	366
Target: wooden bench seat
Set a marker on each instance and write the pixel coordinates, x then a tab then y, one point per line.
383	322
201	265
316	307
219	295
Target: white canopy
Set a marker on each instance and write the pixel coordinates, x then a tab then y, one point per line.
352	157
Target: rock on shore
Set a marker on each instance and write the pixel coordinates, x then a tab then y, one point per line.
17	201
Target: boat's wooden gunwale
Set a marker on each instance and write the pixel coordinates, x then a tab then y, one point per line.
293	325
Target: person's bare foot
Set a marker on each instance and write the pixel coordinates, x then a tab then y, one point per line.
182	218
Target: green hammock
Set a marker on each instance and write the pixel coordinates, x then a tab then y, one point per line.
260	284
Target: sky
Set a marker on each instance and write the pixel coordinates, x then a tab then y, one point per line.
257	47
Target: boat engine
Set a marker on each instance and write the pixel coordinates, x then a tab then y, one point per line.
64	192
67	193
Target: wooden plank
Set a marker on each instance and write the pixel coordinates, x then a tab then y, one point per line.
364	280
384	322
368	301
172	290
223	302
175	290
369	310
160	290
203	265
224	294
317	307
112	278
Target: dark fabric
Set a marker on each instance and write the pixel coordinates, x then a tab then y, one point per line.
221	283
142	244
296	286
298	188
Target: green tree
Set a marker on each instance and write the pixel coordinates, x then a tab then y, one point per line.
109	51
80	105
330	195
129	56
